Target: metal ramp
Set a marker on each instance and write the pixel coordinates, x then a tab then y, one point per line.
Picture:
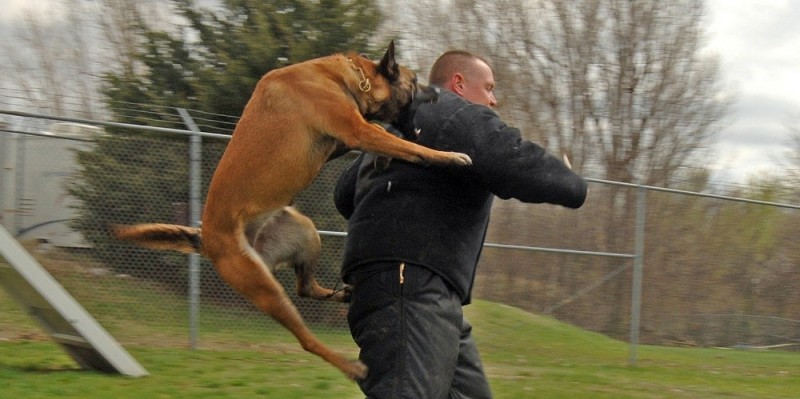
59	314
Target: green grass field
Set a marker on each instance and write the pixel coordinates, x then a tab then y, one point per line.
526	356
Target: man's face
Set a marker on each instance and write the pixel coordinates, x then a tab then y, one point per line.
478	85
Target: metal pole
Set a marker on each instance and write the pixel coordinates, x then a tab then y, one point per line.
638	266
4	155
19	183
195	155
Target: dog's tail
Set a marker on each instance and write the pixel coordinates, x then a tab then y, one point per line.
161	236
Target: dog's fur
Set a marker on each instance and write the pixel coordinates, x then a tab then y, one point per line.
297	118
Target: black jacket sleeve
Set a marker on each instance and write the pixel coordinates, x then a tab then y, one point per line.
505	163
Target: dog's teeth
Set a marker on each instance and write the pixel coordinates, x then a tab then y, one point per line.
417	131
567	162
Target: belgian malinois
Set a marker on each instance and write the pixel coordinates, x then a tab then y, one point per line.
298	117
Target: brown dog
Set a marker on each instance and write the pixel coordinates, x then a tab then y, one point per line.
297	118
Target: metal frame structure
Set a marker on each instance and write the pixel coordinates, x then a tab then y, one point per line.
59	314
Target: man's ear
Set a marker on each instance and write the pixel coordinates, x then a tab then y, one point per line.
457	83
388	66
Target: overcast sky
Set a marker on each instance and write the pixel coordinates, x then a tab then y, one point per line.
758	42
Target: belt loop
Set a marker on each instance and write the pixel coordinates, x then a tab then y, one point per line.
402	270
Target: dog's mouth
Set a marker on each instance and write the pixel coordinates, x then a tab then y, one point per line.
405	119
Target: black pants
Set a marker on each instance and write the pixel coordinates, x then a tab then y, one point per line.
413	336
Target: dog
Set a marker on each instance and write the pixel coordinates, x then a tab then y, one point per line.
298	117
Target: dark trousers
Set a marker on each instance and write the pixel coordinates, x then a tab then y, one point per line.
413	336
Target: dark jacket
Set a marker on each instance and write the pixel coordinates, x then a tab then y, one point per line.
436	216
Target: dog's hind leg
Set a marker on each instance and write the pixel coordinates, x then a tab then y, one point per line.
240	266
288	237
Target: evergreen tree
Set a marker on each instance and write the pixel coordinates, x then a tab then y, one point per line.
211	64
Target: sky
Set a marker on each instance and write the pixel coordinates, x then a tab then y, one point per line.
758	43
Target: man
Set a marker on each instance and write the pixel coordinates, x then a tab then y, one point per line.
415	233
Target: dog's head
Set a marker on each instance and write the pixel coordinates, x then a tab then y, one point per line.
393	92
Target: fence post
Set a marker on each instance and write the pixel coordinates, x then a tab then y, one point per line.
3	165
19	182
195	178
638	266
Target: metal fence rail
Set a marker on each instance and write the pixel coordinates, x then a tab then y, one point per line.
556	279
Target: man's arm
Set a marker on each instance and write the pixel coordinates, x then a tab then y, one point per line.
345	191
508	165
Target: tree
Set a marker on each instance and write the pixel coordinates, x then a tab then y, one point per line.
61	49
620	86
210	64
239	44
51	69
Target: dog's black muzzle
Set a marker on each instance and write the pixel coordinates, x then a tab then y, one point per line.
405	121
425	94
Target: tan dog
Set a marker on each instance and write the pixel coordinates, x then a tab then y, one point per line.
297	118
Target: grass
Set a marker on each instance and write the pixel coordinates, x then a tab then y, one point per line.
537	357
39	370
525	355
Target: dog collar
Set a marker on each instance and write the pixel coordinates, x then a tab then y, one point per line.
364	84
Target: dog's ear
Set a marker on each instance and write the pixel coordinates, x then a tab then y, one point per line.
388	66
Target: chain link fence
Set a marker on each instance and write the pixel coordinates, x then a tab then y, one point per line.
716	271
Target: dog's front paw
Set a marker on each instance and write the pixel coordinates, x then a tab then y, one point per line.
356	370
460	159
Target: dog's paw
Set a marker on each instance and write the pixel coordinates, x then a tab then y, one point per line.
356	370
347	293
461	159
